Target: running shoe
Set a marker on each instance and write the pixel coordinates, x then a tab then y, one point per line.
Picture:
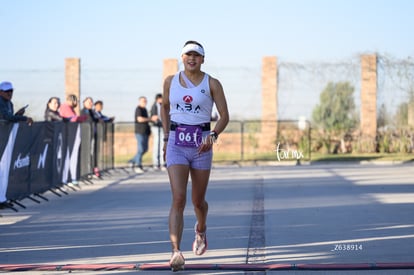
200	242
177	261
139	170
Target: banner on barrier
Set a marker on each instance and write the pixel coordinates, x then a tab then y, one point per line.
38	157
44	155
7	138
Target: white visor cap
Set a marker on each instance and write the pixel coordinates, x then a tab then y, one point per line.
192	48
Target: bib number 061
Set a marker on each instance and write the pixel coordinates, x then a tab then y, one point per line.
187	137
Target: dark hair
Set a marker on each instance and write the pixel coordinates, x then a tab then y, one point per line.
157	96
98	102
193	42
50	100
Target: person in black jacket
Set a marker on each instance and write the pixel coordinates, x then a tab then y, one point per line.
98	106
88	110
52	110
6	105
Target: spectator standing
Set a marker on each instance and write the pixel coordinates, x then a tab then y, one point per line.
67	109
88	111
157	133
6	105
52	110
98	107
142	132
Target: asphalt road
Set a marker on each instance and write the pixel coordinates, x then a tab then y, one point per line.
313	219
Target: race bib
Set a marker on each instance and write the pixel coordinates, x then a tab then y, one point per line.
188	135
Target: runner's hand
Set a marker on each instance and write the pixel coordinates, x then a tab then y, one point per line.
207	145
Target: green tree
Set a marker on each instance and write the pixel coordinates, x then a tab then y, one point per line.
335	115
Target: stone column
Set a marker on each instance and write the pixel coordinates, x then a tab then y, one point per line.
72	79
410	114
369	101
269	103
170	67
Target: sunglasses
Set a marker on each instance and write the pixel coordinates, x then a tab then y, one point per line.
8	91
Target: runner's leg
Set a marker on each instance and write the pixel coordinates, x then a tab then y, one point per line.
178	175
200	180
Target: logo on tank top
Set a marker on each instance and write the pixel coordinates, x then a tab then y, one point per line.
188	99
188	106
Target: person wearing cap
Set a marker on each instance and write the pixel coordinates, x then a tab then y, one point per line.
188	99
6	105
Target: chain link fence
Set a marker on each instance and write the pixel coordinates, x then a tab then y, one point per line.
299	89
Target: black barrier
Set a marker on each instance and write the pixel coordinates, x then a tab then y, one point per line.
105	145
58	155
71	153
41	158
100	141
86	150
19	173
8	136
47	155
4	135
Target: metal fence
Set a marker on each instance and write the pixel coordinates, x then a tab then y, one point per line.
255	140
299	87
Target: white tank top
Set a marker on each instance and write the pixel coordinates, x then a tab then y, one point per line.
190	106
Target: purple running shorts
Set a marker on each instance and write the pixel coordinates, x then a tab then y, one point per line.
188	155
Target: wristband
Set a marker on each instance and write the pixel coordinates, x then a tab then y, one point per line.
214	134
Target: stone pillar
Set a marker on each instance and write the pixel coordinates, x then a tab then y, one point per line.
369	101
72	79
410	114
269	103
170	67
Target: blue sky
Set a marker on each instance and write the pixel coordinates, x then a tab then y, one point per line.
122	43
